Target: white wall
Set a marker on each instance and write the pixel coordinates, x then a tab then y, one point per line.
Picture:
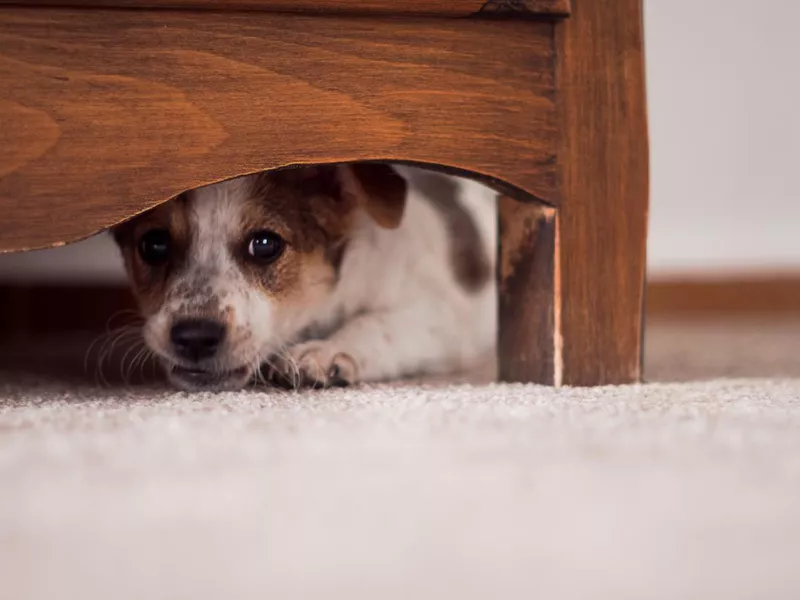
724	99
91	261
724	96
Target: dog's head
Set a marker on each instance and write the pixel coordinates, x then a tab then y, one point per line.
227	274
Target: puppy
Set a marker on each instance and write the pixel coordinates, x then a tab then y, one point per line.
320	276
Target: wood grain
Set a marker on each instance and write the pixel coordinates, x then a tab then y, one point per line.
104	114
452	8
529	329
603	213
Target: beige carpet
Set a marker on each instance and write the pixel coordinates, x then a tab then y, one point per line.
667	490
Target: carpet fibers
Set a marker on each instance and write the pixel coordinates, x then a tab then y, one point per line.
688	487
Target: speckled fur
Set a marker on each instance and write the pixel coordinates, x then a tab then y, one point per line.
351	299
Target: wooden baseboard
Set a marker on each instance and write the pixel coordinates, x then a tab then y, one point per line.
733	296
27	310
30	310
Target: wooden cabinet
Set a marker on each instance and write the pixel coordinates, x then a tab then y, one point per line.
110	107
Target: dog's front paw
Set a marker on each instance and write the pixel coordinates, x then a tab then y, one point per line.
317	364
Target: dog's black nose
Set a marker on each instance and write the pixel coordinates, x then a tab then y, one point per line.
196	339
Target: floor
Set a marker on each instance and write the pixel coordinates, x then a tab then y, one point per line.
685	487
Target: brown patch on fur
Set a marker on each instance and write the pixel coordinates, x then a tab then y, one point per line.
312	209
150	283
379	189
467	256
306	207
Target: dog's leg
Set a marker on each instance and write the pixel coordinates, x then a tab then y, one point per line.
377	346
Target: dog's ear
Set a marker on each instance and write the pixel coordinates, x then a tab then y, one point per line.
378	188
375	187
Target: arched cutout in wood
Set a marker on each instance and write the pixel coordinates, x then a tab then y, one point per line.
91	137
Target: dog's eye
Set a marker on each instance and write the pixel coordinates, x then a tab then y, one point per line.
154	246
265	246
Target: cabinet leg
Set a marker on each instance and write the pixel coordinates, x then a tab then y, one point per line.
572	277
570	310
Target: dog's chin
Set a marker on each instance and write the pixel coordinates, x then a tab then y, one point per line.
201	380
